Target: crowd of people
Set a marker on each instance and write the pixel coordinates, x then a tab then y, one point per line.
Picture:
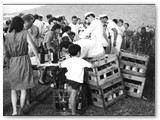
90	38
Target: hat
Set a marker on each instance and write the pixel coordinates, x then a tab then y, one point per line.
88	13
40	15
57	16
103	15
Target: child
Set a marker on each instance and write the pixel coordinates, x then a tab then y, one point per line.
75	73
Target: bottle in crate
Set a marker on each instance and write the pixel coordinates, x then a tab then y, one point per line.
79	97
79	102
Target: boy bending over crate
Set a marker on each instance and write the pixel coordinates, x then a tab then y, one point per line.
75	73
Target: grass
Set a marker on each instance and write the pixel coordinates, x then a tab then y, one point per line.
42	104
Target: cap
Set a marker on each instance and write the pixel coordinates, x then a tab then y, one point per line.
103	15
88	13
57	16
40	15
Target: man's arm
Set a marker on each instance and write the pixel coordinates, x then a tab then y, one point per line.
49	39
115	36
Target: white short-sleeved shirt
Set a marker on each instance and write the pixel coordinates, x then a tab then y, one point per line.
75	67
96	31
90	48
66	35
40	26
122	29
74	28
111	25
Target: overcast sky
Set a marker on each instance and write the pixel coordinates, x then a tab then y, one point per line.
17	8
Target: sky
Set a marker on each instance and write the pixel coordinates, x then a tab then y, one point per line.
17	8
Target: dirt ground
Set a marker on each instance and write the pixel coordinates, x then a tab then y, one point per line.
42	101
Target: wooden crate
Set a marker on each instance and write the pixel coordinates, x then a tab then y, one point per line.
107	70
132	63
114	88
61	101
134	85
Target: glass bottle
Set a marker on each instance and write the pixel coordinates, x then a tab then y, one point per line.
42	53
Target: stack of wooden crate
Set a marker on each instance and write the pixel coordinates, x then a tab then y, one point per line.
133	67
61	101
105	81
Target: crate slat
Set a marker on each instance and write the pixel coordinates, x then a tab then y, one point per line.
130	60
114	88
134	85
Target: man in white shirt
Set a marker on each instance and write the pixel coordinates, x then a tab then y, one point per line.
74	26
47	25
95	31
40	26
121	26
115	33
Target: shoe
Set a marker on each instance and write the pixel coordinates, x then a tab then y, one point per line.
14	114
20	112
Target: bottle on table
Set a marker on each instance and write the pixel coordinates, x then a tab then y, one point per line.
42	53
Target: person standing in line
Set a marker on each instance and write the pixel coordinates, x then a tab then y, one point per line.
32	29
47	25
52	43
126	43
40	26
21	74
115	34
121	26
74	26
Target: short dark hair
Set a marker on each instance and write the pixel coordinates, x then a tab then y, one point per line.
60	19
106	17
8	22
36	16
65	38
115	20
56	26
65	44
66	28
16	24
72	33
48	16
78	18
20	14
40	17
74	49
127	24
51	20
74	17
28	17
120	20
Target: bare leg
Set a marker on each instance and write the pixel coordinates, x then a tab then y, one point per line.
42	75
23	97
28	97
73	101
14	101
